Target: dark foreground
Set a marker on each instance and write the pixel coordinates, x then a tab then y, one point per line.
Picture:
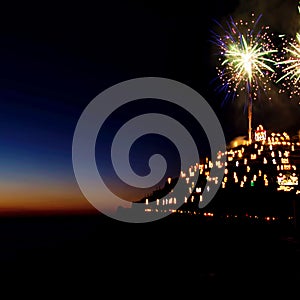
175	254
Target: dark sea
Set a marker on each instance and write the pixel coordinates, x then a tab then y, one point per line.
175	255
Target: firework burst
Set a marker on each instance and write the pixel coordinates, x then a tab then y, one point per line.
246	62
246	58
290	64
291	68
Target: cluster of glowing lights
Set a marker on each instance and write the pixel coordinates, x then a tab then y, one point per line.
280	158
287	179
246	58
196	192
239	171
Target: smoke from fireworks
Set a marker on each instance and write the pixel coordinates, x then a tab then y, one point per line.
246	58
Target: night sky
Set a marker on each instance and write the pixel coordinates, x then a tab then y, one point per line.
55	59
